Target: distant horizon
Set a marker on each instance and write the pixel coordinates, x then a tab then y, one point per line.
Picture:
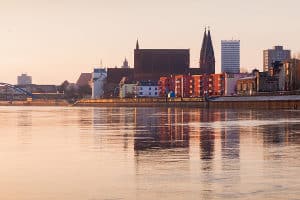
58	40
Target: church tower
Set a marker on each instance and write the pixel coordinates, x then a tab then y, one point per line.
207	56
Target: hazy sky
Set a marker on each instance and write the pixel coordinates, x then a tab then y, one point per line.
55	40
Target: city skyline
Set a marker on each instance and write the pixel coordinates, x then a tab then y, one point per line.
57	40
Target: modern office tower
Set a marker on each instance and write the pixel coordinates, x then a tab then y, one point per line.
98	79
230	56
207	56
24	79
275	54
151	64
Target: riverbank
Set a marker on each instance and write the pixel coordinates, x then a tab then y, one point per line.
257	102
251	102
144	102
35	103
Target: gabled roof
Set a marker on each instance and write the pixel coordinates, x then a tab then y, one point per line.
84	79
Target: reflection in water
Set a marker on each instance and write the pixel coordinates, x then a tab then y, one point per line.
163	128
24	120
149	153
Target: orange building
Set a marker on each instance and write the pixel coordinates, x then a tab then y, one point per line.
209	85
184	86
201	85
166	84
196	82
218	85
193	85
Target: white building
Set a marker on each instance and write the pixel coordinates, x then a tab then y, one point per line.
275	54
24	79
147	89
127	90
230	56
231	83
98	79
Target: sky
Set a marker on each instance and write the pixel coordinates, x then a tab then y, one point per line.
56	40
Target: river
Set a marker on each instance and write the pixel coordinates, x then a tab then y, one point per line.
148	153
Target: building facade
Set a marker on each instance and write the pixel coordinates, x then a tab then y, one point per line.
151	64
98	80
24	79
184	86
147	89
115	75
247	86
128	90
276	54
208	85
230	56
166	85
218	84
289	75
231	83
197	85
266	82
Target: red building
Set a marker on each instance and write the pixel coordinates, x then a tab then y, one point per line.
166	84
184	86
196	82
193	85
202	85
208	85
218	84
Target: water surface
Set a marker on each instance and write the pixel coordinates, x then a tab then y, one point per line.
148	153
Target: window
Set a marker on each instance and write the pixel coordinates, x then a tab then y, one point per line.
149	93
155	93
149	88
141	93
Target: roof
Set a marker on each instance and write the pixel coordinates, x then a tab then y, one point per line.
164	51
147	83
84	79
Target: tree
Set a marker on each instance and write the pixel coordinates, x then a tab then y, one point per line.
62	88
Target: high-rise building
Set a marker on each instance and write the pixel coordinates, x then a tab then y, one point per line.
207	56
24	79
230	56
151	64
273	55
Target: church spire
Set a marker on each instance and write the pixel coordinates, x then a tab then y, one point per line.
137	44
203	48
207	56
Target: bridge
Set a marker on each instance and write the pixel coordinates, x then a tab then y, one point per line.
17	89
